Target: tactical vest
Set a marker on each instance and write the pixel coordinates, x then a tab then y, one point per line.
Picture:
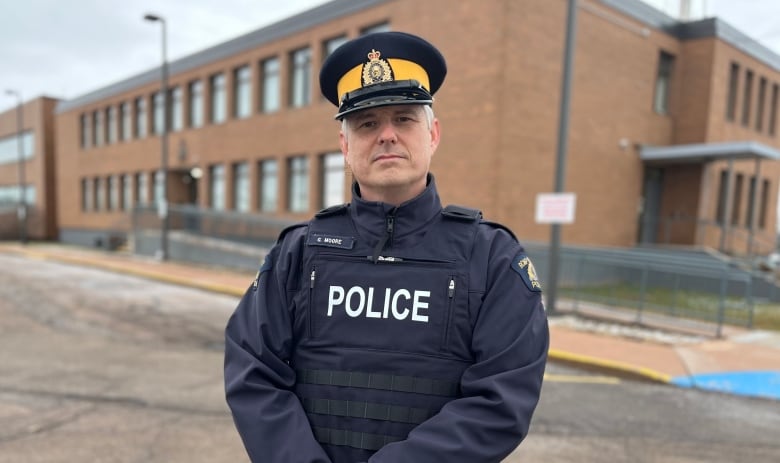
382	341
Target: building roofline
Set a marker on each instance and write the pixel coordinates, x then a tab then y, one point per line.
703	28
705	152
636	9
302	21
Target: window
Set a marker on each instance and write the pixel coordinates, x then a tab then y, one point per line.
218	101
242	92
127	192
241	187
332	179
111	125
379	27
126	127
764	202
736	208
140	117
773	110
751	205
663	83
731	103
196	104
97	128
330	45
722	190
100	194
86	195
113	192
142	188
159	188
158	116
217	199
9	147
298	184
760	107
176	109
84	123
300	78
269	182
746	100
269	101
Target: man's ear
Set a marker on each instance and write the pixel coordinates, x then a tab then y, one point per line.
435	134
343	143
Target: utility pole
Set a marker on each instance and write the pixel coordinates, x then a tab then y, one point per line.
162	205
563	146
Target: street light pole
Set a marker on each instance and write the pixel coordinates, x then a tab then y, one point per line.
163	203
563	146
22	208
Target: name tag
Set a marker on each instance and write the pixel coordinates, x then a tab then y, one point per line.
331	241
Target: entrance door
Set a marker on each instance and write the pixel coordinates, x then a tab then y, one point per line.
651	205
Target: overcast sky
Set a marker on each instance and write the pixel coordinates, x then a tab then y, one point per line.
66	48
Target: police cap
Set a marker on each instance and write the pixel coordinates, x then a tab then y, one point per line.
379	69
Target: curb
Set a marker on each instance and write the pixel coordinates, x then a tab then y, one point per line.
118	268
620	369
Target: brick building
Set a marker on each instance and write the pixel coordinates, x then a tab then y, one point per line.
673	135
36	170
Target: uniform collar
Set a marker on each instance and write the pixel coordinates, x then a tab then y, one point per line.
370	217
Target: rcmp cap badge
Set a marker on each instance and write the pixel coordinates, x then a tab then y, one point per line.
376	70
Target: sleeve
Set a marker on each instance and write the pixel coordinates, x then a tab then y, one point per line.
500	390
258	378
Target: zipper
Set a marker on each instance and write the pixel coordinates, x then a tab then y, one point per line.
388	238
312	278
448	315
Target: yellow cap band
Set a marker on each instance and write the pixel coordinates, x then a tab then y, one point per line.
402	70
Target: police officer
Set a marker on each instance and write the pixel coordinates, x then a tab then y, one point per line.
388	329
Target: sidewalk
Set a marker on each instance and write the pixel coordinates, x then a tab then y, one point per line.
742	362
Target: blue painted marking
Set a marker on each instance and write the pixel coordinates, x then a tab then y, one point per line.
748	383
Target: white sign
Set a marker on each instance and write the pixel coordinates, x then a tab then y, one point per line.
555	207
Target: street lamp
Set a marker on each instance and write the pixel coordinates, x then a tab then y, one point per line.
22	208
563	146
162	206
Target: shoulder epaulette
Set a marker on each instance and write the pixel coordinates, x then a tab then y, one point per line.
332	210
461	213
290	228
499	226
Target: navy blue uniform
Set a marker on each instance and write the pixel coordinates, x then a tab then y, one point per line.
388	334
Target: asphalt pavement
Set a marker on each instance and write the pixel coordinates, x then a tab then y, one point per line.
741	362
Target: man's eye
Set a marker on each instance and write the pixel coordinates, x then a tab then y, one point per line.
367	124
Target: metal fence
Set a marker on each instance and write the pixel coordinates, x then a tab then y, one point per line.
219	238
645	284
683	283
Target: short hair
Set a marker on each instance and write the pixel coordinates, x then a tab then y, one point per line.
427	109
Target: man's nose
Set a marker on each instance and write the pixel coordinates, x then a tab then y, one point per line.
387	133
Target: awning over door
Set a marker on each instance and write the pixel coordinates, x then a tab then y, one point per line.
707	152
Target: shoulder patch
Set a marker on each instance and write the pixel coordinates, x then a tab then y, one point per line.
267	265
525	268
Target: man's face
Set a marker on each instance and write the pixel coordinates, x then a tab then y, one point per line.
389	151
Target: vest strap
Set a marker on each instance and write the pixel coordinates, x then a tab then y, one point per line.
368	410
358	440
378	381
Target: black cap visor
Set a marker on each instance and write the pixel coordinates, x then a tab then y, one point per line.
384	94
